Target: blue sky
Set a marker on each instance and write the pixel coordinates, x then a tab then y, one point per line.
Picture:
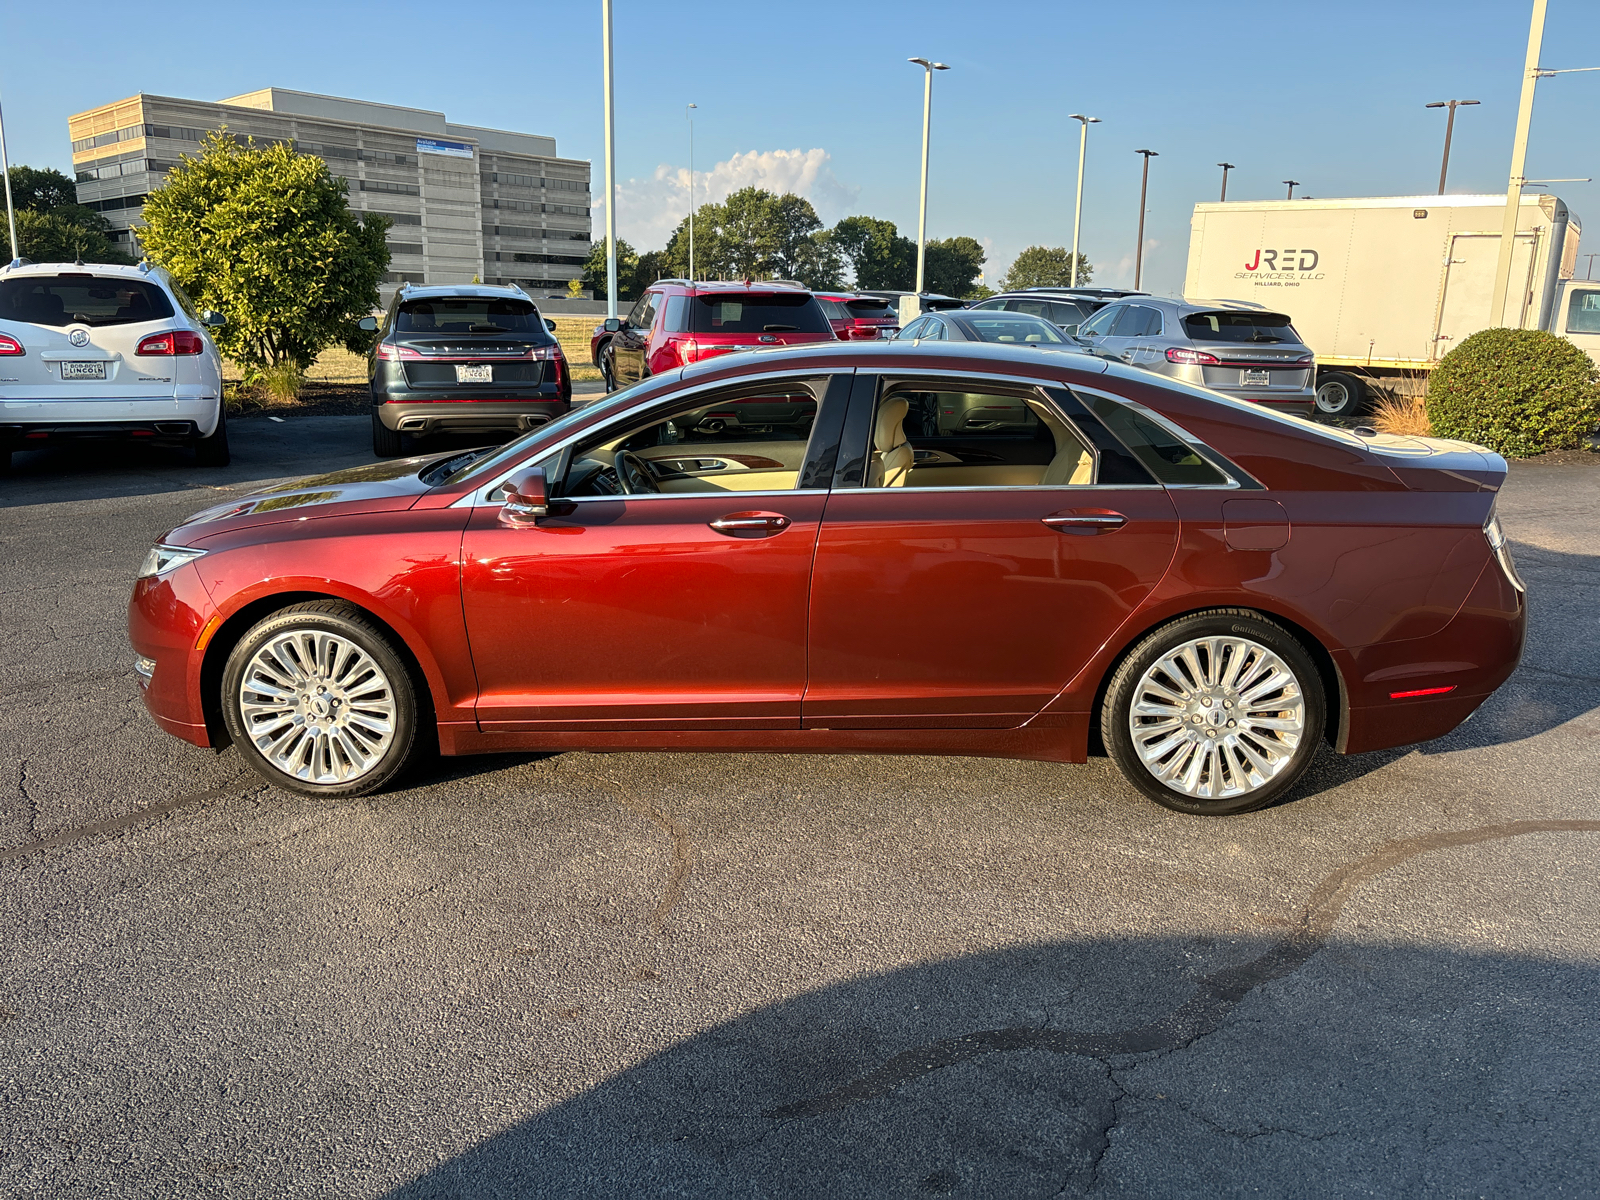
819	96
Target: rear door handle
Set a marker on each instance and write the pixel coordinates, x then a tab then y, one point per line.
1085	522
750	524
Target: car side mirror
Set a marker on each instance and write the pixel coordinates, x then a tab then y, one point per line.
1070	330
549	324
612	325
367	323
526	499
212	319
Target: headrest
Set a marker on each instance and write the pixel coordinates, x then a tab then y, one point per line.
889	431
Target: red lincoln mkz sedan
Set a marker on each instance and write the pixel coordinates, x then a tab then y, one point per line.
836	548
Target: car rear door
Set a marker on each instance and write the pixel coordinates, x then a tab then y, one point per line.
970	594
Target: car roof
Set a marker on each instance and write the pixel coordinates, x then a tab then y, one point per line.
143	271
437	291
733	285
1066	293
879	355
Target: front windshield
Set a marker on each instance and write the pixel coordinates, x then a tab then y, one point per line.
489	463
1015	328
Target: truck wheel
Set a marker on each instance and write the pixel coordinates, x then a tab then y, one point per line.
386	442
1339	395
213	451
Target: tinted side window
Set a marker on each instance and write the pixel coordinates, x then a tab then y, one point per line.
677	315
1131	322
1102	320
1166	456
648	317
1583	313
637	310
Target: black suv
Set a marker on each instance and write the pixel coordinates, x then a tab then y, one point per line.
1066	307
463	358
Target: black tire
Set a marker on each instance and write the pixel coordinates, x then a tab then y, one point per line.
386	442
602	360
399	692
1340	395
1240	791
213	451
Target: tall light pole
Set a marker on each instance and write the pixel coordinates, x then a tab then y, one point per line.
5	169
1226	167
1449	128
690	119
1293	183
1144	185
1077	211
1519	160
611	168
928	68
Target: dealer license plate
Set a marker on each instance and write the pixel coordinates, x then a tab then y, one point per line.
83	370
474	373
1251	376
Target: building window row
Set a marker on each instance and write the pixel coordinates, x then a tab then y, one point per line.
405	247
460	179
398	218
533	181
568	260
403	277
115	203
574	209
396	189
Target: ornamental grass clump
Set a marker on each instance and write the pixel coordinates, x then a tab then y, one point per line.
1518	391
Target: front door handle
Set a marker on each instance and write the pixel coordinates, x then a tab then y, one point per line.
750	524
1098	521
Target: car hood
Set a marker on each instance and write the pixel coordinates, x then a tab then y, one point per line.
380	487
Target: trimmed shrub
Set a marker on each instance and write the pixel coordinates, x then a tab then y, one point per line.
1518	391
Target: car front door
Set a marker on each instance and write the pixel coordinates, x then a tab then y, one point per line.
678	608
629	344
1094	333
969	589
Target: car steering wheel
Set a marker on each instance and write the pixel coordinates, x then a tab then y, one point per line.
634	474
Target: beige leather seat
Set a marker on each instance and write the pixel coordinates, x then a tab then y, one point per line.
892	455
1072	466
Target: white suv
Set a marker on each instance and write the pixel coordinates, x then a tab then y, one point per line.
106	352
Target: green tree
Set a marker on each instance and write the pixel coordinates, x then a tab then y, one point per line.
877	255
267	238
1045	266
51	225
756	234
952	265
594	270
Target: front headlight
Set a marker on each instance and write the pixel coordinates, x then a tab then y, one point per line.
162	559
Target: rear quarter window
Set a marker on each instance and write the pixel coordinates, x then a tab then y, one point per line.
1169	458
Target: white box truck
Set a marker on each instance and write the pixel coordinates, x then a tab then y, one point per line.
1385	285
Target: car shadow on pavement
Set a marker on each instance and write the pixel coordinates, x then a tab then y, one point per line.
1123	1066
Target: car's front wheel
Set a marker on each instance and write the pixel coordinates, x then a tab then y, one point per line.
1215	713
319	702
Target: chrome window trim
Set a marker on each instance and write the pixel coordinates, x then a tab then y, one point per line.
478	496
1013	487
1213	457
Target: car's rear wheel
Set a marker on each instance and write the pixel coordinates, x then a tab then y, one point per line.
1215	713
1339	395
386	442
213	451
319	702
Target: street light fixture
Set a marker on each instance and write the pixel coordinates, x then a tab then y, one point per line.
690	119
1144	184
928	69
1077	212
5	169
611	168
1449	128
1293	183
1226	167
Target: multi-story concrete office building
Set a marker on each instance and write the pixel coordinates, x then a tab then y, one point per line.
464	201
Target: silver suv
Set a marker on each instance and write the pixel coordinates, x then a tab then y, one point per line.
1230	346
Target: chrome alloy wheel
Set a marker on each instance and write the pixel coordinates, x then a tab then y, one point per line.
1217	717
317	706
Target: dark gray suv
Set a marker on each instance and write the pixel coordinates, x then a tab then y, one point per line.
1231	346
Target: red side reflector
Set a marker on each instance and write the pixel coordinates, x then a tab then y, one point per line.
1422	692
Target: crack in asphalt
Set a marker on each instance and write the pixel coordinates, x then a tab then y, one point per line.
682	852
113	824
1216	995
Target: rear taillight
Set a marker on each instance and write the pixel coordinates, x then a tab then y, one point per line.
1193	358
1305	360
389	352
174	341
563	378
688	350
1501	549
10	347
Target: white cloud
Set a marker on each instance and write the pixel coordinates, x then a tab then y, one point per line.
1121	276
648	210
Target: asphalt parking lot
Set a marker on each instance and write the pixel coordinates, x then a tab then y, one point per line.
642	975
